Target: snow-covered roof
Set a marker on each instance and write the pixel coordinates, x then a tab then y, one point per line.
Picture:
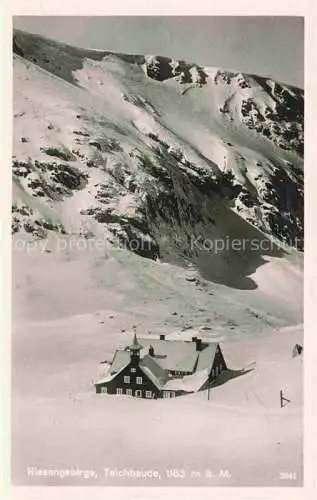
168	355
120	360
189	383
172	354
206	356
154	371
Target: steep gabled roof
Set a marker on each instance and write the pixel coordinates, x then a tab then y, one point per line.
121	359
154	371
172	354
207	356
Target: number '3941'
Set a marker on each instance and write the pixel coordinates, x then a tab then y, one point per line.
288	476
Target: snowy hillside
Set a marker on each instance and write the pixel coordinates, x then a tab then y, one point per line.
151	153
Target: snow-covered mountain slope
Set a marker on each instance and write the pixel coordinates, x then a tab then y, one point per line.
159	156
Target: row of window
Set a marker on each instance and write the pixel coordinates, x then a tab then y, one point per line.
138	393
129	392
178	373
168	394
127	380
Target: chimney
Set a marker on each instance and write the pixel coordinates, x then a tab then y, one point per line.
198	344
162	336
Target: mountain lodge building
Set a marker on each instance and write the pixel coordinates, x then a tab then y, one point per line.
160	368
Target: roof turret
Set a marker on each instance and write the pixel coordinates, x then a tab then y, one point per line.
135	346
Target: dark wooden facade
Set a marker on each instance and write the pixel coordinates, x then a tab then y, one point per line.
131	381
218	366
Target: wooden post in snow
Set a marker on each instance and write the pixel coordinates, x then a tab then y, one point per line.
282	399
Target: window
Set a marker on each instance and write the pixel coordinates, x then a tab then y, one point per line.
138	394
139	380
148	394
220	368
119	391
168	394
133	370
104	389
126	379
128	392
212	373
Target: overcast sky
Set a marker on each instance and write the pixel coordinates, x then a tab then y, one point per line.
267	46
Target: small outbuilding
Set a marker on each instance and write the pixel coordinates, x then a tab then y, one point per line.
297	350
